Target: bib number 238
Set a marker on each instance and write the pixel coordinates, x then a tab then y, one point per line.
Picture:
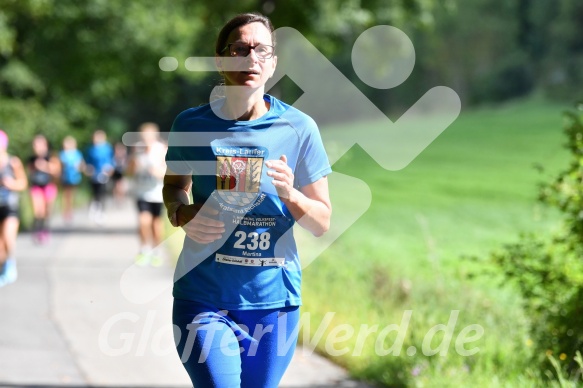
252	241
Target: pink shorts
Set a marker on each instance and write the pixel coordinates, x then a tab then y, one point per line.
48	192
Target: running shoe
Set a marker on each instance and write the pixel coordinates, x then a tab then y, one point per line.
10	272
156	261
45	236
142	259
37	237
2	274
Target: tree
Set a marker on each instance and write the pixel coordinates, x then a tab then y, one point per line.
68	66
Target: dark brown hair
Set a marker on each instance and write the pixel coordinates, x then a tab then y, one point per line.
242	20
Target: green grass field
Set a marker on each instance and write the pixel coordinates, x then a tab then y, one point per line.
472	190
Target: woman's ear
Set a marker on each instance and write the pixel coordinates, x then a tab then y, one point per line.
273	65
219	63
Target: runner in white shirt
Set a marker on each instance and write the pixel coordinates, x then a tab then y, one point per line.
147	166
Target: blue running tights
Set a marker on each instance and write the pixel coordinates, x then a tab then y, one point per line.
237	348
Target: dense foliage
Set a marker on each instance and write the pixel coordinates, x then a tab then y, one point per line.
68	66
548	270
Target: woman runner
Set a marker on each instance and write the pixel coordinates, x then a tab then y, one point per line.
254	166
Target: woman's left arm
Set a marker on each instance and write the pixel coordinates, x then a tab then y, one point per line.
310	205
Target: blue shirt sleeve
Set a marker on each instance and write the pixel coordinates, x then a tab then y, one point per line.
313	162
111	155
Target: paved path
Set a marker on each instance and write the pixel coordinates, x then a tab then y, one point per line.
71	320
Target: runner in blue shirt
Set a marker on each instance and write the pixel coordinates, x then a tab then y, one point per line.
100	163
254	166
72	164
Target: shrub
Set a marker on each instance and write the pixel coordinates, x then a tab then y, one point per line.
548	270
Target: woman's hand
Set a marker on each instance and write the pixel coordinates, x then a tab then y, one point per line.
283	177
198	223
89	170
41	165
8	182
310	205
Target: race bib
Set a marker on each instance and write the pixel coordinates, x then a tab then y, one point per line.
253	241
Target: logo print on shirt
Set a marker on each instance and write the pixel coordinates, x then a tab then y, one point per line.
238	179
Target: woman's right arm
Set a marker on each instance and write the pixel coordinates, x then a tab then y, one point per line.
194	218
19	182
131	165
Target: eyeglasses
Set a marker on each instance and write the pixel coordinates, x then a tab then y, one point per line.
237	49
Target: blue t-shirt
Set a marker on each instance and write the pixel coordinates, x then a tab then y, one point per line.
71	161
255	265
100	156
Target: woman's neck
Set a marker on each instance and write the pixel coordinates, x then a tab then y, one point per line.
244	104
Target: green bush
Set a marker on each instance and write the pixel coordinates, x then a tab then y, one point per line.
548	270
549	276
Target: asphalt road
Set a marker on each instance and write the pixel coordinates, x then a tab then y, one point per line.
74	318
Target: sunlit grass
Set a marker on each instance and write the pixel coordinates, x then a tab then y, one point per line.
473	189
